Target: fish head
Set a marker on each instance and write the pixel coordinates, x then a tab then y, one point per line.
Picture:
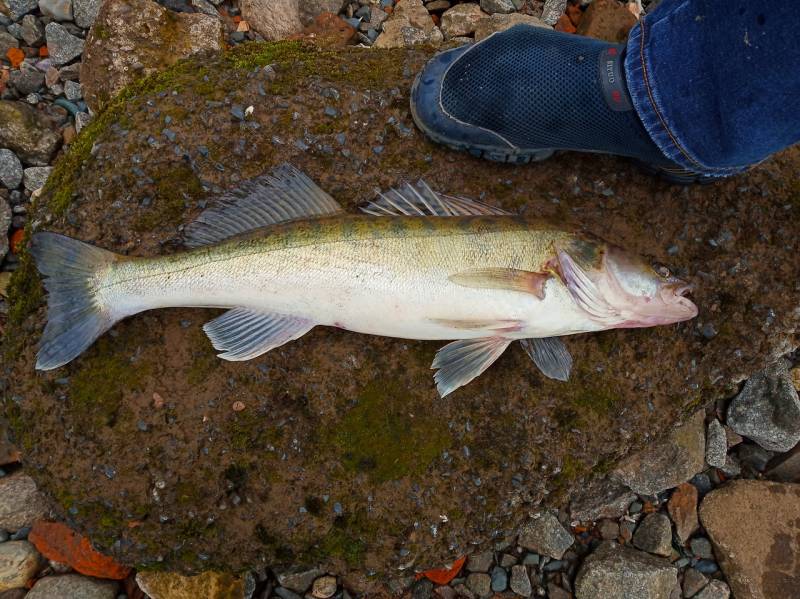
620	289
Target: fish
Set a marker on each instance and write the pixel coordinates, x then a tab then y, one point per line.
282	256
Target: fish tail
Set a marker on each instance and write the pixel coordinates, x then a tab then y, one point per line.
76	314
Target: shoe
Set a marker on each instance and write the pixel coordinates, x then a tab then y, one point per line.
522	94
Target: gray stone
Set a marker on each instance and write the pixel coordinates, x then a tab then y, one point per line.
18	8
480	584
26	80
620	571
21	504
501	6
480	562
34	177
716	444
7	41
716	589
545	535
422	589
63	46
693	581
19	562
205	7
297	578
499	579
60	10
753	456
73	586
767	410
85	12
461	20
324	587
701	547
72	90
500	22
32	30
603	498
10	169
784	468
520	581
667	462
552	11
81	120
654	535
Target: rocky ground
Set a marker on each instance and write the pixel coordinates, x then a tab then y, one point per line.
709	509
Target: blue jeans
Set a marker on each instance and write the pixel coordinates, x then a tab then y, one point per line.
717	84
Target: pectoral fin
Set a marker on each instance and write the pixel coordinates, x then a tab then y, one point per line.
582	288
550	355
510	279
243	334
461	361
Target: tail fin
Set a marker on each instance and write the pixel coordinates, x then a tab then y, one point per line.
75	315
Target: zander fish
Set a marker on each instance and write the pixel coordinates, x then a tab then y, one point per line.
283	256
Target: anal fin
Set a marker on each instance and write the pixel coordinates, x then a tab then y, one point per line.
461	361
550	355
242	334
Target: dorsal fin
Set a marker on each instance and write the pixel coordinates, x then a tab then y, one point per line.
421	200
285	194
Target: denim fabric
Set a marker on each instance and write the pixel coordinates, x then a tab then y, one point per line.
717	84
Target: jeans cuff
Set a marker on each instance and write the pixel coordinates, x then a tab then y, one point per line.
647	103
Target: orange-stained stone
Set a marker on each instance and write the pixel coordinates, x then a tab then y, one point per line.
15	56
574	13
682	508
444	575
564	24
16	240
62	544
44	52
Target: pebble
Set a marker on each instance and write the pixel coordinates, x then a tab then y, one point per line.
20	502
608	529
72	90
501	6
72	585
499	579
682	508
545	535
32	30
480	562
85	12
19	562
60	10
297	578
716	589
480	584
63	46
324	587
26	80
693	581
716	444
10	169
7	41
701	547
34	177
18	8
520	581
706	566
654	535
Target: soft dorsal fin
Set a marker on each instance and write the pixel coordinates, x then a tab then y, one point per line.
285	194
421	200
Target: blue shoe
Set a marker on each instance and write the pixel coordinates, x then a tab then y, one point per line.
522	94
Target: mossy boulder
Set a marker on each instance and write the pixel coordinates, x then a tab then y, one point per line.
344	454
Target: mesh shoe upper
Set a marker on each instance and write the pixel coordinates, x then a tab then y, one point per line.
541	89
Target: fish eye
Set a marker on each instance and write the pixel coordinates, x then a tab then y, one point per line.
661	270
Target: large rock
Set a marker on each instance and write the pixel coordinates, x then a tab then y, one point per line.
19	562
410	25
278	19
208	585
21	504
349	427
620	571
666	464
755	529
72	586
134	38
767	410
27	133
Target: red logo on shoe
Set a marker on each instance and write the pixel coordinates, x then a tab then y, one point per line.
616	96
612	51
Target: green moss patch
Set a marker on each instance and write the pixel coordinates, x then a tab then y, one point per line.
175	185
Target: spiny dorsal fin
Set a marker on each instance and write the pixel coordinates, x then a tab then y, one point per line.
285	194
243	334
421	200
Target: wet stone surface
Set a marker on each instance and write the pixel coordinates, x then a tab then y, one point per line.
344	454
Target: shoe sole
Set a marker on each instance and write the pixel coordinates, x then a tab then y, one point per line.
677	176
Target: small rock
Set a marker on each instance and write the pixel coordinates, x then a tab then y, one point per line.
752	525
18	8
500	22
85	12
784	468
607	20
716	444
480	562
461	20
682	508
26	81
520	581
63	46
7	42
21	504
60	10
654	535
32	30
545	535
667	463
410	24
621	571
72	90
422	589
556	592
608	529
34	177
208	585
767	410
716	589
501	6
73	586
480	584
602	498
753	456
552	11
297	578
693	581
10	169
701	547
499	579
19	562
324	587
